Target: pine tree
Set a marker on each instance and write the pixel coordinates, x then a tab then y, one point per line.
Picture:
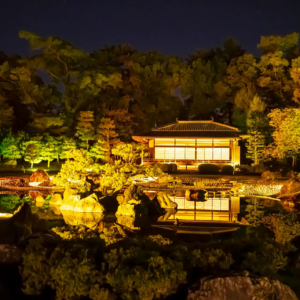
255	147
108	135
255	210
32	152
67	145
85	127
98	150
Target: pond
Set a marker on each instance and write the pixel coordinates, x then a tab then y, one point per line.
217	214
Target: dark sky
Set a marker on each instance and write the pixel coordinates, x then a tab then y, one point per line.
170	26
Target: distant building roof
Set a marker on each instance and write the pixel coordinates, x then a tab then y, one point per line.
196	126
192	129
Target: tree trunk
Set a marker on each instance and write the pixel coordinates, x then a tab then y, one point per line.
31	165
48	163
87	144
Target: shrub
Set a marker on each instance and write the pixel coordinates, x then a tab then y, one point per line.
260	168
227	170
245	168
268	175
208	168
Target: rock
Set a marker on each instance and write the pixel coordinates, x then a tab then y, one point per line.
56	200
40	199
10	254
68	193
290	186
165	201
34	195
126	210
70	202
39	175
19	225
85	205
127	221
55	209
46	183
131	193
90	220
240	286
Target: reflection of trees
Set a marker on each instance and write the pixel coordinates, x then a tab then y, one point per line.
9	203
255	210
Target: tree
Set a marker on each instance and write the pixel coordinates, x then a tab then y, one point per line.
85	127
98	150
131	152
32	153
108	135
255	147
10	147
286	135
6	114
255	211
67	145
49	149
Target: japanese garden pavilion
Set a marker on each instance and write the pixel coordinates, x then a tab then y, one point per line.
190	143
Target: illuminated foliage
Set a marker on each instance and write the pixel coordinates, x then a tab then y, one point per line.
85	126
255	210
10	147
131	152
67	145
74	171
255	147
108	136
33	152
284	226
50	149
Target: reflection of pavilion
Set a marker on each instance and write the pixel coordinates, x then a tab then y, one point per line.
214	209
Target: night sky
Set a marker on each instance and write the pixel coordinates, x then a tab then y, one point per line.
170	26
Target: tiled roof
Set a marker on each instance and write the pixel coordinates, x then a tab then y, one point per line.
196	126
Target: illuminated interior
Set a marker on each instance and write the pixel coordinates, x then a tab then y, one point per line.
180	153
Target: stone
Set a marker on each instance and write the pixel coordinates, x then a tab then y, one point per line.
39	175
10	254
126	210
40	199
46	183
90	220
55	209
68	193
290	186
89	204
127	221
56	200
165	201
17	226
70	202
240	286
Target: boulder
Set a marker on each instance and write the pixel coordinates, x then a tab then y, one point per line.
89	204
240	286
55	209
70	202
165	201
90	220
39	175
56	200
46	183
17	226
290	186
40	199
10	254
127	221
128	209
85	205
68	193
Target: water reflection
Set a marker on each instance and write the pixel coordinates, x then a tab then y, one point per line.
225	209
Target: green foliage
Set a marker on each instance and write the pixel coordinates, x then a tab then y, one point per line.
255	210
284	226
67	145
6	114
74	171
50	149
208	168
268	175
33	152
10	147
131	152
255	147
85	126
